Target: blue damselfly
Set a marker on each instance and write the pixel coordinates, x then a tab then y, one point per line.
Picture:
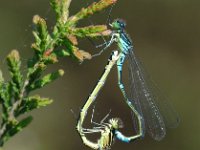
156	113
151	113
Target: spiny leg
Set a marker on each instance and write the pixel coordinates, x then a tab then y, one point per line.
100	45
93	43
121	86
93	122
94	129
108	22
104	118
84	130
108	44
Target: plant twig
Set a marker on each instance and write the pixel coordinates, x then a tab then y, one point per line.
48	48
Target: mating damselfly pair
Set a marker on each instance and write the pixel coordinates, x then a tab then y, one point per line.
149	115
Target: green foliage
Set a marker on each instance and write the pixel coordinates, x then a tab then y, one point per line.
48	48
14	129
33	102
45	80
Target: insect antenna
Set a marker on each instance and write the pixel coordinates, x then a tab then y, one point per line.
74	114
108	21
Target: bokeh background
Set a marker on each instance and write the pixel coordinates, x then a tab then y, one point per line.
166	35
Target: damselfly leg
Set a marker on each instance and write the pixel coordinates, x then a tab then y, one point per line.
108	44
101	122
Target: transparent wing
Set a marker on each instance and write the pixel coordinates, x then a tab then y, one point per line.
157	113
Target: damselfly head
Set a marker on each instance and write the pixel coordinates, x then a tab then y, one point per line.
118	24
116	123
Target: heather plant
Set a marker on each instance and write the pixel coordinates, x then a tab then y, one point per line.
15	95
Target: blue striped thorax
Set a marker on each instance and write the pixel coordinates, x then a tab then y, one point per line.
123	40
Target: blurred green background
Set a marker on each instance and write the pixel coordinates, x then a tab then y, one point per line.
166	36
